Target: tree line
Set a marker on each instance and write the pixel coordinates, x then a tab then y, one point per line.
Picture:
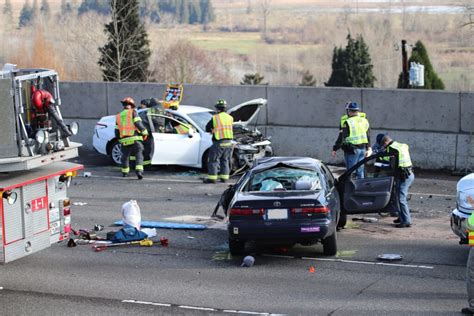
183	11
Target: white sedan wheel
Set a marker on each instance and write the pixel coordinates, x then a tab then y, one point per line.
116	153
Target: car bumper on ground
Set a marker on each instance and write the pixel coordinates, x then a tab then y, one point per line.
277	232
458	224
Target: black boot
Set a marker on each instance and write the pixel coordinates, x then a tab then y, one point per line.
467	311
139	175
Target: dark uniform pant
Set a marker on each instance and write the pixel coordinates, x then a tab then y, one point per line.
219	159
135	149
149	148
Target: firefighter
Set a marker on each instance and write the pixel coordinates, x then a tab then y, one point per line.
404	174
470	268
130	132
221	150
152	123
353	138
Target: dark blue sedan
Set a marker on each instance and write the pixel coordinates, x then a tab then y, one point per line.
288	200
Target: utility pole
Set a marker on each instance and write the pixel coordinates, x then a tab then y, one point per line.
405	75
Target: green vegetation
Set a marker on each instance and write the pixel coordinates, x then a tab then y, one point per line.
352	66
308	79
420	55
126	55
253	79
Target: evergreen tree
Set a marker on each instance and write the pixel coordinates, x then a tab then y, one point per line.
207	11
44	9
99	6
194	12
151	10
7	8
66	8
351	66
26	15
253	79
419	55
308	79
126	55
183	16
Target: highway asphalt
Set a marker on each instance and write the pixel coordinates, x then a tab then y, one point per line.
196	275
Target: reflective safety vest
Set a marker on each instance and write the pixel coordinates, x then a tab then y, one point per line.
345	117
358	127
470	227
222	126
126	127
181	129
404	159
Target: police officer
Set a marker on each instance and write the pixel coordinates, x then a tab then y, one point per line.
404	174
220	153
129	130
470	269
353	138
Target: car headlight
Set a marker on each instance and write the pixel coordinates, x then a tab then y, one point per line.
247	148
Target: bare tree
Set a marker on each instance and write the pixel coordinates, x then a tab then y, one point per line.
265	8
469	13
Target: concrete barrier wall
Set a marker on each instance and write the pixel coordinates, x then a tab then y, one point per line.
303	120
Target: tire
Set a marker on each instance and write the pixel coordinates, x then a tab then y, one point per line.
330	245
115	152
342	220
237	248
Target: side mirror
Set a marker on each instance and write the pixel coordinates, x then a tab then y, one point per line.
190	132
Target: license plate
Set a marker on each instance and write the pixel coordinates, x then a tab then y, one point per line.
277	213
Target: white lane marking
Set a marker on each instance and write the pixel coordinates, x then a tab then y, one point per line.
209	309
198	308
146	303
149	179
1	287
354	261
371	263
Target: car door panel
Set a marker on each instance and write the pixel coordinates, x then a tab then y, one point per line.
175	149
367	195
376	192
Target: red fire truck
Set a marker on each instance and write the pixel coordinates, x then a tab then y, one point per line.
35	209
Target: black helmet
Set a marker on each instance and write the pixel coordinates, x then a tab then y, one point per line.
220	104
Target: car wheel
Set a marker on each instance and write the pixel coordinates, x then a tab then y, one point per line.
237	248
342	220
116	152
330	245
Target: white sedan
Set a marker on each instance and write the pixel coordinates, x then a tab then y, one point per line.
191	149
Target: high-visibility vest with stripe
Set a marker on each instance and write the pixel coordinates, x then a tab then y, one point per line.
222	126
404	159
358	127
345	117
126	126
181	129
470	227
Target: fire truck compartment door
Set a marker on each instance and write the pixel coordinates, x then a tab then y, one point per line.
8	137
26	222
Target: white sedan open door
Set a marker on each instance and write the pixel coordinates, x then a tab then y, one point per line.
176	144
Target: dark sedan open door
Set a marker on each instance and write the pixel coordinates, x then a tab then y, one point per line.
376	192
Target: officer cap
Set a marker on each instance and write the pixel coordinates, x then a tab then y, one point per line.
352	106
380	138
